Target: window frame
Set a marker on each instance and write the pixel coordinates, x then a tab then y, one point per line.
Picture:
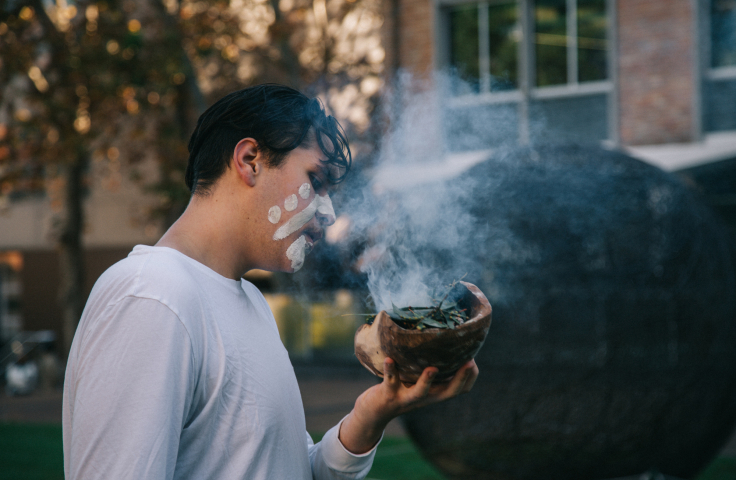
526	90
711	72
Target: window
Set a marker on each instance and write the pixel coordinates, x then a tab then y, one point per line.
570	43
723	33
592	44
535	67
484	45
719	84
464	45
550	42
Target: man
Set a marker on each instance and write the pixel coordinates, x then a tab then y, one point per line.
177	369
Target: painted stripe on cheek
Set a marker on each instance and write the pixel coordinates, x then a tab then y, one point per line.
297	221
296	252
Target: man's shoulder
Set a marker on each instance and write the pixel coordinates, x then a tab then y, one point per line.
148	272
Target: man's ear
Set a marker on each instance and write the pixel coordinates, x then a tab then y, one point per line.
247	160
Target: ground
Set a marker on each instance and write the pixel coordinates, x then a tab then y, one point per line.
30	435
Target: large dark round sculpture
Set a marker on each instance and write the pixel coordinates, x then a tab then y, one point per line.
613	345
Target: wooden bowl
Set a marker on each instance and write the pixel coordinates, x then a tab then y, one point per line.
414	350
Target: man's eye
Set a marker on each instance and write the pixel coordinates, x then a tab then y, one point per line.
316	183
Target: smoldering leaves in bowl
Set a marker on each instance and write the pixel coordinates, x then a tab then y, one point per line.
444	314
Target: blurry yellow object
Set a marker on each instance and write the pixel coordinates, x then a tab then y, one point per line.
306	326
331	324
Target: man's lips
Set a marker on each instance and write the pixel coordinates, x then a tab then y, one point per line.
313	235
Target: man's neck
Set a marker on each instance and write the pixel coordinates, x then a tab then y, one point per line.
206	233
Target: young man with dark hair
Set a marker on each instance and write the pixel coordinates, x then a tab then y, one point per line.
177	369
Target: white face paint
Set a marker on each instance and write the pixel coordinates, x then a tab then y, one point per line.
297	251
296	222
304	190
321	204
274	214
324	206
290	203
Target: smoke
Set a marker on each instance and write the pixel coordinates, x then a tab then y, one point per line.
415	214
453	195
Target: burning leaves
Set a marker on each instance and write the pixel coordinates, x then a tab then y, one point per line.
444	314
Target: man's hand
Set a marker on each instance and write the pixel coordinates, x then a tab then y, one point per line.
380	404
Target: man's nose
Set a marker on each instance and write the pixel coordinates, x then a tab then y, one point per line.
325	219
325	212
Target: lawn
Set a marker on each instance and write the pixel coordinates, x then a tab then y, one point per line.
31	452
34	452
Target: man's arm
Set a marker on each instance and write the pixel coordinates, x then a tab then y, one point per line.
129	391
346	451
330	460
363	427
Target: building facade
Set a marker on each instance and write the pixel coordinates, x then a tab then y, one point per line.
116	220
656	79
628	72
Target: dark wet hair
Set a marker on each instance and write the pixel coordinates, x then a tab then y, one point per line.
279	118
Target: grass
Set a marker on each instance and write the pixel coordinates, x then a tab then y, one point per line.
398	459
34	452
31	452
723	468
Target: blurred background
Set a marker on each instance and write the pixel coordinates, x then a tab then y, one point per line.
98	99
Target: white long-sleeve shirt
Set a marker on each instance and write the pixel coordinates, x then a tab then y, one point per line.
177	372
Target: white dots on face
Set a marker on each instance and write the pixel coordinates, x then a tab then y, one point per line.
290	203
274	214
304	190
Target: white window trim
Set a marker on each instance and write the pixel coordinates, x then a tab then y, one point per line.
572	90
485	98
721	73
541	93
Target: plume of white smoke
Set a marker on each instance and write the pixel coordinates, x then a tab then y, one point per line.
416	217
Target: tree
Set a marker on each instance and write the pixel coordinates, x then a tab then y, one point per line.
75	80
126	80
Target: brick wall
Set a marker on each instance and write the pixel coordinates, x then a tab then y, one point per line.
416	39
655	71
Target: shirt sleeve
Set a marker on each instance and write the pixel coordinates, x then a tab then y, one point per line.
332	461
132	383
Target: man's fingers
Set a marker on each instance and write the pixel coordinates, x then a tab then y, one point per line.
459	382
424	383
472	377
390	374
